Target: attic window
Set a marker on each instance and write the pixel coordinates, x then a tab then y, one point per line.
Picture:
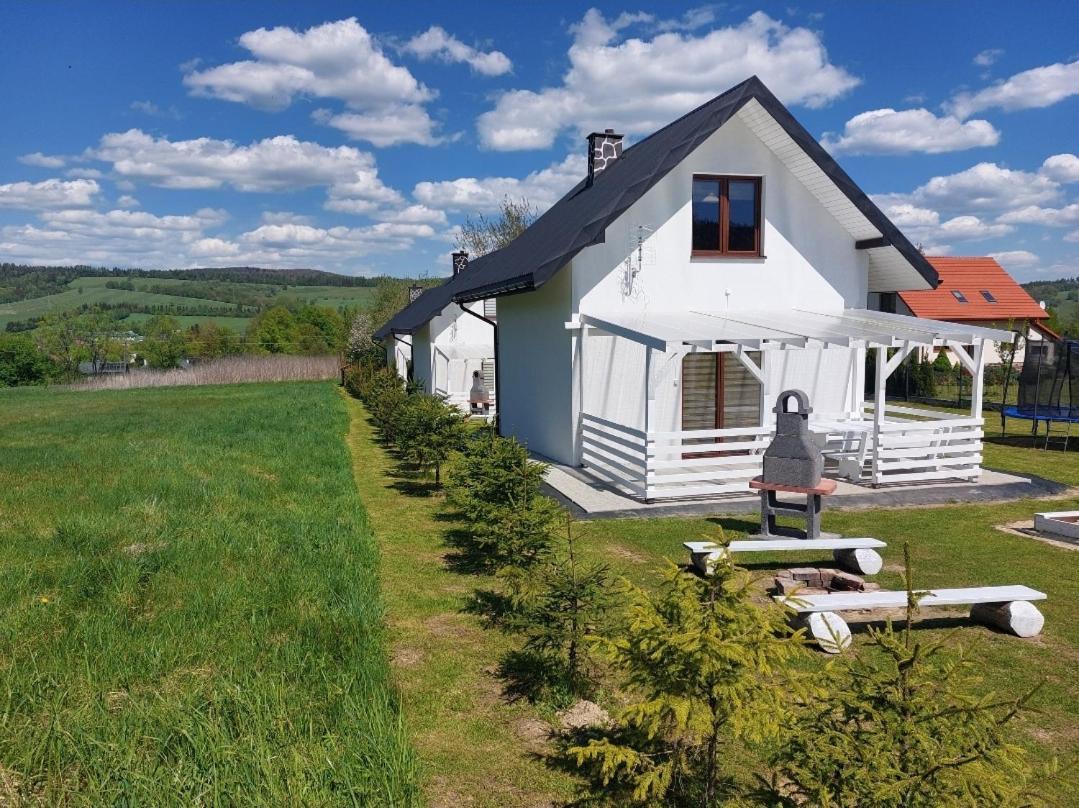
988	296
959	296
726	216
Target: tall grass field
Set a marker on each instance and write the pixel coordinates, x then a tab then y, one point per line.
189	612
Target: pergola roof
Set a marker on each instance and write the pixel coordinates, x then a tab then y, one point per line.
466	350
795	328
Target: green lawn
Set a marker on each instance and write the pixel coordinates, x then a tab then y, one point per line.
475	748
190	611
482	749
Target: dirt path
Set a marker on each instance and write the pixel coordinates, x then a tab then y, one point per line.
475	749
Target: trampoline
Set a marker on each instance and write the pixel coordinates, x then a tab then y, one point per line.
1048	387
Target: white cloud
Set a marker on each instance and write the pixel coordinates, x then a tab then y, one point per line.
413	214
542	188
1015	258
982	187
1031	89
1061	167
280	163
904	215
987	57
436	43
1049	217
338	60
43	160
637	85
888	131
127	201
385	126
970	228
48	194
137	238
1072	236
84	173
285	217
154	111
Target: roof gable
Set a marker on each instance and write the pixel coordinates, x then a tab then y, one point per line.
580	218
970	277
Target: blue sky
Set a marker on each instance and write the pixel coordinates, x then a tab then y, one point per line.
355	137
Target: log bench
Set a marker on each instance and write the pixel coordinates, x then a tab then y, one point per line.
1008	608
854	555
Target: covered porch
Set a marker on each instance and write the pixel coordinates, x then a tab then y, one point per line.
453	367
643	403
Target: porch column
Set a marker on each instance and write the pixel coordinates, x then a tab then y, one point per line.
978	388
881	368
649	418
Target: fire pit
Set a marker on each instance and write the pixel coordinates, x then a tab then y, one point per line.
820	581
1059	523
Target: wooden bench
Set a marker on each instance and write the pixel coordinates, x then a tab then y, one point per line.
1005	607
854	555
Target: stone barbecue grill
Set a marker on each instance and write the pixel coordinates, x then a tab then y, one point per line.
794	464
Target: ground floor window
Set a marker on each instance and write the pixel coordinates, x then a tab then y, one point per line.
718	392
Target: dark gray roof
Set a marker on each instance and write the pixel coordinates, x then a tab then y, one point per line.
427	305
580	218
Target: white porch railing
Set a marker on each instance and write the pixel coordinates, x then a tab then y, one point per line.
615	454
911	444
908	445
704	462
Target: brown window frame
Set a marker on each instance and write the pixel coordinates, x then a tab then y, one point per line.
724	218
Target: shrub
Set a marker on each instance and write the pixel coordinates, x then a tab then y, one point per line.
704	666
497	490
383	391
163	344
22	363
427	430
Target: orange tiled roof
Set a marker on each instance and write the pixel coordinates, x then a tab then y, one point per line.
970	277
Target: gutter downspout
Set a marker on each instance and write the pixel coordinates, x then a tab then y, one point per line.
498	372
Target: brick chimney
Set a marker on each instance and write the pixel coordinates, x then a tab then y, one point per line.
414	292
603	149
460	262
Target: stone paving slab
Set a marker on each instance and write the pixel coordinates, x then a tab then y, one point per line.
588	498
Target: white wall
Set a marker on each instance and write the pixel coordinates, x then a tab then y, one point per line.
422	369
538	399
449	329
398	354
810	258
810	262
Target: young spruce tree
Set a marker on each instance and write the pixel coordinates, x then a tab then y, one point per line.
428	430
704	667
556	605
496	488
908	725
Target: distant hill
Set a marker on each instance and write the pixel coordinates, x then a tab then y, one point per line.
225	294
1062	300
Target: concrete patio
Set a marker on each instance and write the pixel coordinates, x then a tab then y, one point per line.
588	498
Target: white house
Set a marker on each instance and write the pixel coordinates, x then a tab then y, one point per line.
440	344
648	321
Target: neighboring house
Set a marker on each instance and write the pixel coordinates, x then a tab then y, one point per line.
443	343
980	292
648	321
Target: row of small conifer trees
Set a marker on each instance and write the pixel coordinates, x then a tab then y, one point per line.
702	672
